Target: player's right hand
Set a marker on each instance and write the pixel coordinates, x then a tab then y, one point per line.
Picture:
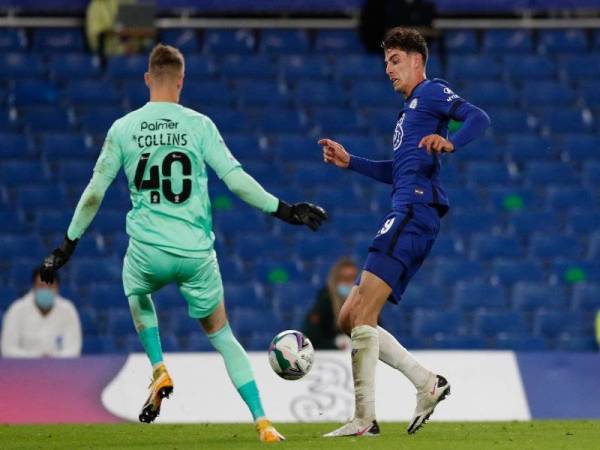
335	153
303	213
57	259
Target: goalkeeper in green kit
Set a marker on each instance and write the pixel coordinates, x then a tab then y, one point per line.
165	149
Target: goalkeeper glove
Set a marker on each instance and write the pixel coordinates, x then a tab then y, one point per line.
303	213
57	259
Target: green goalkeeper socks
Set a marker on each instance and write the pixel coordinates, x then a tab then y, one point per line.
239	368
146	324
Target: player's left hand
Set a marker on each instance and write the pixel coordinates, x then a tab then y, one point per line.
436	143
57	259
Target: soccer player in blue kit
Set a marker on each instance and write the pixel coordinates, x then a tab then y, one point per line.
408	231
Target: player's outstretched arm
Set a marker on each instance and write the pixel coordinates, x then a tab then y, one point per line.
250	191
335	153
86	210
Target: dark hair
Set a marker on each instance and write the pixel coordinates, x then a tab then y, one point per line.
36	273
165	60
406	39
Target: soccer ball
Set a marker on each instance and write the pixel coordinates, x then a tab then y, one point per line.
291	354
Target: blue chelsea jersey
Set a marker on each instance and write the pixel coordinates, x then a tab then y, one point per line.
416	173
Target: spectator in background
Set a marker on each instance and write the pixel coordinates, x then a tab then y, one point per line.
320	324
41	323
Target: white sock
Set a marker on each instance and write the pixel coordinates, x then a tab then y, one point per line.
365	351
394	355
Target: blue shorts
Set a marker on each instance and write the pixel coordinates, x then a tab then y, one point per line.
401	245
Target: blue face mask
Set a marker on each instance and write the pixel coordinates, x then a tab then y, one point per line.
44	298
343	289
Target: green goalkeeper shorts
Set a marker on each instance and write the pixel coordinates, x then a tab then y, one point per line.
146	269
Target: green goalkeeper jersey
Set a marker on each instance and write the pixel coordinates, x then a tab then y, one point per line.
164	149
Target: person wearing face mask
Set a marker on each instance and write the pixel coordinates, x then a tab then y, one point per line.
41	323
320	324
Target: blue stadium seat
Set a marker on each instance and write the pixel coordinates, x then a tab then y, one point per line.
526	222
546	93
200	67
547	172
47	118
426	322
572	271
244	67
528	296
510	120
336	120
119	322
529	67
580	147
521	343
228	120
448	246
292	147
12	39
545	246
34	92
451	270
579	67
473	67
509	271
21	245
51	221
453	342
104	296
72	171
374	93
137	93
247	321
319	93
312	247
474	295
464	198
14	146
589	90
511	198
65	146
258	93
99	119
280	120
107	221
333	41
93	344
507	41
304	67
583	221
244	295
292	300
204	92
235	221
351	222
58	40
34	198
185	39
260	341
220	42
562	41
461	41
198	342
351	67
591	173
490	323
284	41
525	147
473	221
251	246
586	296
489	93
486	173
383	120
574	342
19	173
275	272
18	66
124	67
245	147
92	93
551	324
486	247
69	66
8	294
565	197
423	296
559	120
106	270
90	247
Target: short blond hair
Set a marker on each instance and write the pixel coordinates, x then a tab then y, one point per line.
165	61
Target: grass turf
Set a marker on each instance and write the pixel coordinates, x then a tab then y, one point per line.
579	435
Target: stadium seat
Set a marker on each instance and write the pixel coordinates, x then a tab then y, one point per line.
591	173
461	41
423	296
97	270
284	41
561	197
247	66
12	39
453	270
448	246
551	324
491	324
359	67
546	172
509	271
583	221
124	67
103	296
473	67
453	342
559	120
319	93
65	146
489	93
46	118
513	198
580	147
586	296
427	322
333	41
304	67
17	172
529	67
184	39
34	93
373	94
475	295
577	343
280	120
99	119
58	40
507	41
119	322
545	246
473	221
529	296
200	67
487	247
546	93
259	93
69	66
486	173
18	66
521	343
219	42
93	344
91	93
562	41
336	120
14	146
525	222
510	120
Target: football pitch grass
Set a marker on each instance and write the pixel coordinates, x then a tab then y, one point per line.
573	435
